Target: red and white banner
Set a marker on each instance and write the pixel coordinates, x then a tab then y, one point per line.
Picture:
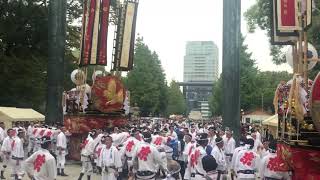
94	32
287	15
280	37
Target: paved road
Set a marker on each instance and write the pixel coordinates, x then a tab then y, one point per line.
72	170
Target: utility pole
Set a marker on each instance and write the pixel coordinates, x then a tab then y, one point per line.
56	34
231	65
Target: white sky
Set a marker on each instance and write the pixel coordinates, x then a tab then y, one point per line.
166	26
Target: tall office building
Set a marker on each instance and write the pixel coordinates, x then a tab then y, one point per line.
201	66
201	62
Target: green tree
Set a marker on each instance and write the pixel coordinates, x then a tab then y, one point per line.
249	84
24	51
146	81
176	101
268	82
215	101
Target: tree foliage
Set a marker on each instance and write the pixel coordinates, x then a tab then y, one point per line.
256	88
176	101
146	81
24	50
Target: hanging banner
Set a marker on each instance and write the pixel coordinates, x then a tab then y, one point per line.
280	37
128	36
306	10
94	32
287	15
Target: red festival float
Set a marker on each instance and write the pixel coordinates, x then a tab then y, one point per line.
297	102
104	103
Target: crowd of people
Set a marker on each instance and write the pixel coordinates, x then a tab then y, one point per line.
146	150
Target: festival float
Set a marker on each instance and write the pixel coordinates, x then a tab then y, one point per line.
103	102
297	102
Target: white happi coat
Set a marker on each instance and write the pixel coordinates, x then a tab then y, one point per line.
17	155
87	150
247	159
173	135
271	172
229	146
257	143
235	155
212	141
188	149
98	152
195	164
61	143
119	138
2	135
17	148
61	149
6	148
158	141
148	157
220	157
41	165
129	147
111	161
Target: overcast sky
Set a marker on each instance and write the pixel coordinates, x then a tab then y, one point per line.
166	26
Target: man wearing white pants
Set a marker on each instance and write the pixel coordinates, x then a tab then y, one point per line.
17	155
111	160
61	151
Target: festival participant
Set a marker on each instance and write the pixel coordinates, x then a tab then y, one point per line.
219	154
41	165
61	151
269	168
212	136
195	167
247	162
148	159
128	149
87	150
17	154
6	150
111	160
229	146
242	143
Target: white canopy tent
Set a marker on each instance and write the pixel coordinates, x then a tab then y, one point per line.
272	124
9	115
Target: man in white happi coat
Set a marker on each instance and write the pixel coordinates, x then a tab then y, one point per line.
212	136
61	151
270	165
110	160
258	146
195	170
247	162
41	165
17	155
242	142
229	146
128	148
147	158
30	138
219	154
6	150
98	150
87	152
172	134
